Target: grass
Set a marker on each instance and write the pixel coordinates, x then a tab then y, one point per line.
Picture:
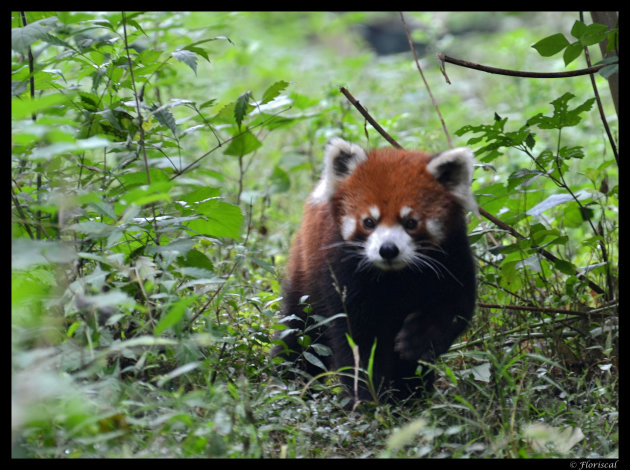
517	384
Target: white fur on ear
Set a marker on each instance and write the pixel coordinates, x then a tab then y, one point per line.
340	160
454	169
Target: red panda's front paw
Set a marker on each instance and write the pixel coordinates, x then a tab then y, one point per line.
413	341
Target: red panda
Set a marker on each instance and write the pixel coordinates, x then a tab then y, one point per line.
383	240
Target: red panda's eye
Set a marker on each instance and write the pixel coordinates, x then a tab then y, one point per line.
410	224
369	223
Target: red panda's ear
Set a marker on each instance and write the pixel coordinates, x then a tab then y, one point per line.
340	160
454	170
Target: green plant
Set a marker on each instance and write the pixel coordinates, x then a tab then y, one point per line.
584	35
592	203
134	240
142	311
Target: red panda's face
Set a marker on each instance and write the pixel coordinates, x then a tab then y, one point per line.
385	244
393	207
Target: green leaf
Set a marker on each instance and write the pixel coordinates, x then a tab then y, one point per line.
135	24
565	267
370	368
137	178
241	107
556	199
562	115
314	360
351	341
165	117
26	253
146	194
524	177
273	91
25	107
609	70
208	103
198	51
112	298
174	315
91	228
578	29
222	220
196	259
571	152
572	52
22	38
280	181
242	144
551	45
79	145
613	40
187	57
450	374
200	195
530	140
593	34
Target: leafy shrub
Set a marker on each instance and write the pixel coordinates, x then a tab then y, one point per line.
156	164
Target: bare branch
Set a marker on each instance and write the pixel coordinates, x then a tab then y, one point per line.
369	118
426	84
516	73
594	312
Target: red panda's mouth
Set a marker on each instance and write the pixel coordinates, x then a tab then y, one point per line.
389	264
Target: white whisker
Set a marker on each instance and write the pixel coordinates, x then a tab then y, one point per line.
423	260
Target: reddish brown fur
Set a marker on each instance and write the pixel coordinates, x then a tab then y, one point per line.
393	178
390	177
415	314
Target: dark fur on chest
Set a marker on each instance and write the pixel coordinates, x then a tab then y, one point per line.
412	314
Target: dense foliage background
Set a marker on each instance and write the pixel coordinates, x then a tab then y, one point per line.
159	164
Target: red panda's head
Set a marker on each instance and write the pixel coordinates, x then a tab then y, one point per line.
395	206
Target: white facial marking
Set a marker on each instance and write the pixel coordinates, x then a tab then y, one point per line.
396	235
435	229
405	211
348	226
319	196
374	212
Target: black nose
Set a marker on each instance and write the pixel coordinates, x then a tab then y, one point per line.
388	251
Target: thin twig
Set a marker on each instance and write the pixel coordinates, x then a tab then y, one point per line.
369	118
21	214
599	103
141	142
530	308
230	139
435	105
138	108
31	71
516	73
